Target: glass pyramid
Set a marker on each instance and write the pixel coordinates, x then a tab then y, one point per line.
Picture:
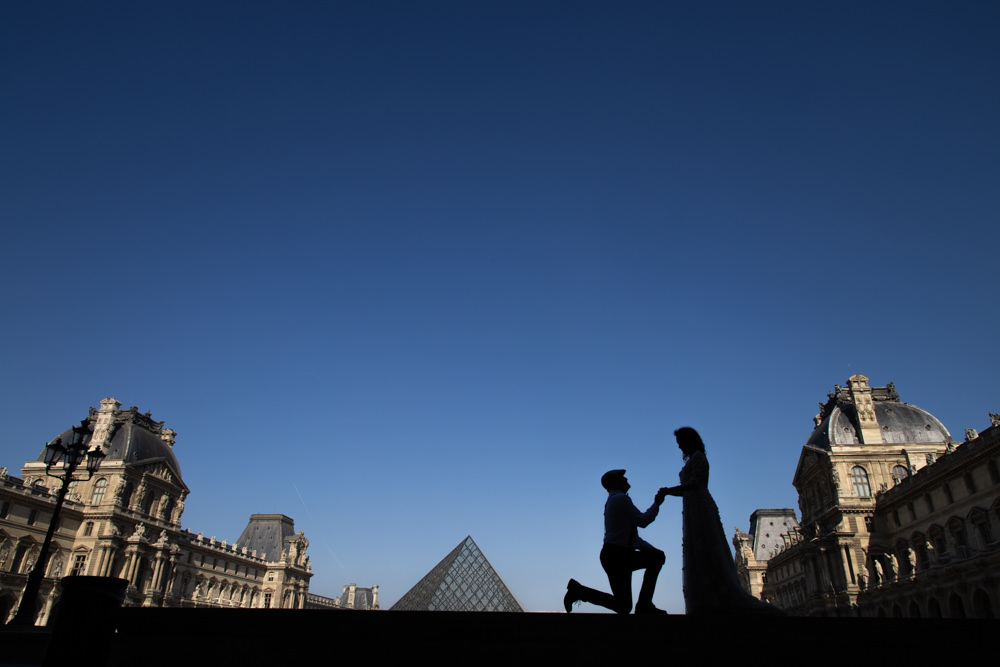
463	581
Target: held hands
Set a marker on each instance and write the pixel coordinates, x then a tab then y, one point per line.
669	491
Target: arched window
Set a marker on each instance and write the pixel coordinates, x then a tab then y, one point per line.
88	529
100	488
859	479
981	605
899	473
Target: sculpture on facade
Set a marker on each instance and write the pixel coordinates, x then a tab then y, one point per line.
161	511
120	492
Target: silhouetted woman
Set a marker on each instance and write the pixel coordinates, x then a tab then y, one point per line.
710	582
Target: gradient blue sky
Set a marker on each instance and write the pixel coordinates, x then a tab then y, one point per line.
408	271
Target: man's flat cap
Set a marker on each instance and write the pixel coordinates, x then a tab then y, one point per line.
610	477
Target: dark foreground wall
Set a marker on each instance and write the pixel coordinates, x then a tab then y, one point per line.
254	637
189	637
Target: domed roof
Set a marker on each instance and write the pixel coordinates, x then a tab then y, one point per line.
898	422
135	439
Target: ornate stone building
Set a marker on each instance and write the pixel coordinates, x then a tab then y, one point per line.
353	597
881	484
126	522
935	550
753	549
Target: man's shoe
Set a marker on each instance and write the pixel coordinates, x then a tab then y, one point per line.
648	609
571	595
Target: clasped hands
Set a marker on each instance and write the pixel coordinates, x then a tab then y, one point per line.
668	491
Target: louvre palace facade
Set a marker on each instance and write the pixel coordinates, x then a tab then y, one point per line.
126	522
896	518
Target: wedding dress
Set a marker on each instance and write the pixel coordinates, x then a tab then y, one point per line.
711	585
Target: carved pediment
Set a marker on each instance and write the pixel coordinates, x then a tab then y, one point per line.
160	471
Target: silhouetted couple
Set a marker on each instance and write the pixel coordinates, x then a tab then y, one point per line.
711	585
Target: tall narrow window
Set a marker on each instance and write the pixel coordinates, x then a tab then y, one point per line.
100	488
19	553
88	529
80	564
859	478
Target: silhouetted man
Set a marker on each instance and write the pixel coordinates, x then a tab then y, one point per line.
623	552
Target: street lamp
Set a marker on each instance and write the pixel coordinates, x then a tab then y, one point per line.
71	456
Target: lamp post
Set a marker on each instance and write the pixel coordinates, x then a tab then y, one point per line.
71	456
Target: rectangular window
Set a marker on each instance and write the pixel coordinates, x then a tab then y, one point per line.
80	564
15	565
984	533
970	484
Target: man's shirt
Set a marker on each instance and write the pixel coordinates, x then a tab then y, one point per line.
622	520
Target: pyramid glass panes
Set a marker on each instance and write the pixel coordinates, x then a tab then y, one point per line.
463	581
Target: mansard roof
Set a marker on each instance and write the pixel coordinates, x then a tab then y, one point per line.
266	533
900	423
135	439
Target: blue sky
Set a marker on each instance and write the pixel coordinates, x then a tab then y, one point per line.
411	271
